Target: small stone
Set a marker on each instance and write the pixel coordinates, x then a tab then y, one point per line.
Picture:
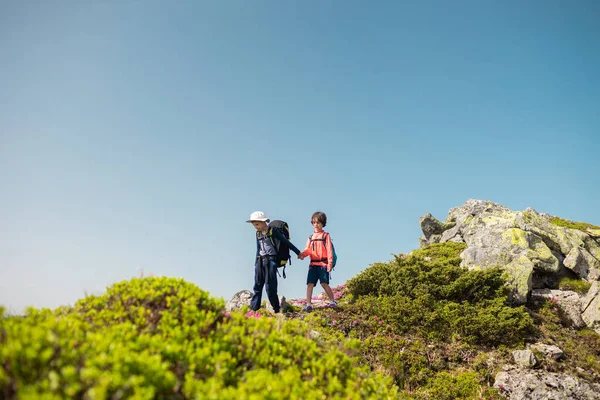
550	351
524	358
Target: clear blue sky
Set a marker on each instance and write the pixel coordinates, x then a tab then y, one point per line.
144	133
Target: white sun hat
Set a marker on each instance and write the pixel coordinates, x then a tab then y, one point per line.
258	216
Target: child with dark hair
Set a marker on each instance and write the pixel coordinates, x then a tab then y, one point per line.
320	250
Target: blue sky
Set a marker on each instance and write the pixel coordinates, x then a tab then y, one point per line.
143	134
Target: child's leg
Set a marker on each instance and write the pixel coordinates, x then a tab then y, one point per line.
328	291
309	292
259	283
271	287
311	280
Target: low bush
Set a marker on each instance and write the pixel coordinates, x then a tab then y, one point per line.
165	338
428	293
453	386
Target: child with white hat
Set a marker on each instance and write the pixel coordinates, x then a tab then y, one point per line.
265	267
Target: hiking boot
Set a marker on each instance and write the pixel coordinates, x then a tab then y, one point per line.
307	308
332	304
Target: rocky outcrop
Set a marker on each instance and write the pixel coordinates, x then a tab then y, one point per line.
535	252
519	384
240	299
243	298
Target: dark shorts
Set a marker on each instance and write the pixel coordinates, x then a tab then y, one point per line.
317	274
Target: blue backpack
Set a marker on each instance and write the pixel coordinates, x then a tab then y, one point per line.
334	255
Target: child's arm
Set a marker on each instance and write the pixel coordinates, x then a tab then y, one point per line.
307	249
329	248
257	250
279	236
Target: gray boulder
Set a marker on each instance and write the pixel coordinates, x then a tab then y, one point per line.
580	261
240	299
568	301
591	307
282	304
548	350
517	384
433	229
243	298
430	226
524	358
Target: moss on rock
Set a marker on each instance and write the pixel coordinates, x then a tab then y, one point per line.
520	276
517	237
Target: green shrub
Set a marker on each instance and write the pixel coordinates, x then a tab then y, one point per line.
460	385
165	338
426	270
429	294
404	361
164	305
489	322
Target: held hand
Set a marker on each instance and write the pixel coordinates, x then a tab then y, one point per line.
301	256
328	268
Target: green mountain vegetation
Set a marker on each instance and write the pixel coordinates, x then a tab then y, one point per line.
417	327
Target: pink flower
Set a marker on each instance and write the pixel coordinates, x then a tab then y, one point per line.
355	322
334	322
252	314
555	309
376	317
227	314
380	322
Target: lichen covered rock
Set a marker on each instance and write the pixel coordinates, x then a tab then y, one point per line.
534	248
517	384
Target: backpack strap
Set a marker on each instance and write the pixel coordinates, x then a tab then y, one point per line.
283	272
317	240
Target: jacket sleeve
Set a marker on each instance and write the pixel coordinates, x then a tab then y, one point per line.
279	236
307	250
329	251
